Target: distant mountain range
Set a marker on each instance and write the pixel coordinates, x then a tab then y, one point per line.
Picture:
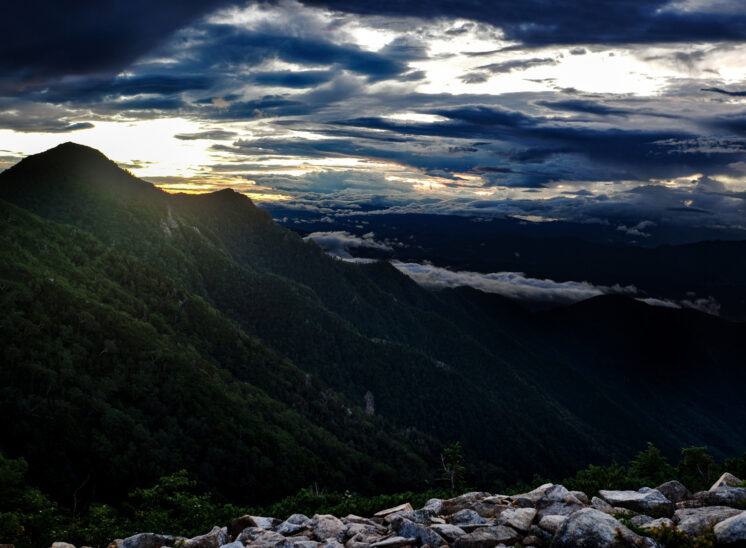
145	332
682	264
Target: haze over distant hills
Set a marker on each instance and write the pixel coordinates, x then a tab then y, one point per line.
146	332
563	261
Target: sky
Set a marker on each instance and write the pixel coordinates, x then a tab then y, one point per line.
630	112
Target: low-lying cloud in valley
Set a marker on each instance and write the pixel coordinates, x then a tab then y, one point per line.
515	285
518	286
338	243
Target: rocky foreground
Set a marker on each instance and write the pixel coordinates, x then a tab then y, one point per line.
548	516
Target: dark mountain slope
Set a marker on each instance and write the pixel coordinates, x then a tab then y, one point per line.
113	375
330	318
675	374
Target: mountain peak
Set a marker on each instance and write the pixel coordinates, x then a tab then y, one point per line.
69	171
66	158
73	152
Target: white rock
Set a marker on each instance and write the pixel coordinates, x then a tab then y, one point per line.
552	523
392	542
695	521
726	480
448	531
326	526
591	528
520	518
645	501
214	539
602	505
406	507
732	531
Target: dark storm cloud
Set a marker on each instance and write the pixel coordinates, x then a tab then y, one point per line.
338	148
226	46
155	91
734	124
49	126
516	64
726	92
32	117
43	40
537	22
211	135
288	79
585	106
483	73
70	127
635	154
149	103
475	77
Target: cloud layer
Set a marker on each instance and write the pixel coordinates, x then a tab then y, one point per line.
516	285
616	112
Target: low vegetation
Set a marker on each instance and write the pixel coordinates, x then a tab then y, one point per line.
175	504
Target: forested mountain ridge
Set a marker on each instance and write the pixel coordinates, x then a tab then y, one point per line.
521	391
169	233
113	375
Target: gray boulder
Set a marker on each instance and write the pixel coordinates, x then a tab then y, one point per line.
602	505
732	531
435	506
326	526
674	491
449	532
292	525
646	501
519	518
552	523
408	529
591	528
582	497
354	529
239	524
392	542
532	497
726	480
331	544
696	521
419	516
234	544
303	542
466	516
487	537
406	507
260	538
352	518
725	496
490	508
361	541
150	540
451	506
214	539
557	500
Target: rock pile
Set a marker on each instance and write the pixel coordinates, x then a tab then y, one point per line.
548	516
